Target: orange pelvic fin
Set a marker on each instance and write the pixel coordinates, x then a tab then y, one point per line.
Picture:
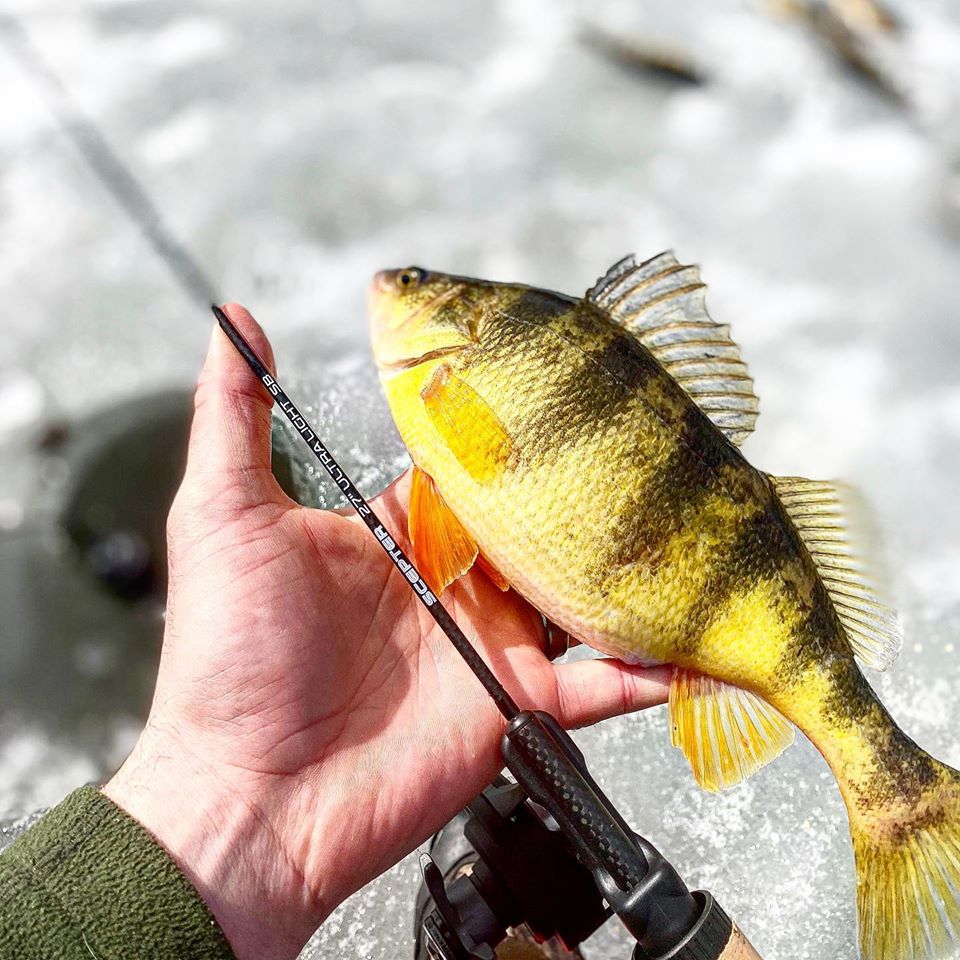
442	549
726	733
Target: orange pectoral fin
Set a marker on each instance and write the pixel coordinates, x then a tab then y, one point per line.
442	549
467	425
498	579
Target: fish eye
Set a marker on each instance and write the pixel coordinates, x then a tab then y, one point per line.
410	278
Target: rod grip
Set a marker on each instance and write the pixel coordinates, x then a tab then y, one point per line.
541	757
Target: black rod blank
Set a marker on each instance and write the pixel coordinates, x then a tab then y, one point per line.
503	700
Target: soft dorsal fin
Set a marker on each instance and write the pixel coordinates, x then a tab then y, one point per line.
824	514
661	302
442	549
727	734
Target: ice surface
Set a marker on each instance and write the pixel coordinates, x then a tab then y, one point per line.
298	147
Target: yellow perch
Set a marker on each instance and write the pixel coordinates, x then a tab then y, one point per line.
585	453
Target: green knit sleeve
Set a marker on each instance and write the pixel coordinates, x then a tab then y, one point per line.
88	881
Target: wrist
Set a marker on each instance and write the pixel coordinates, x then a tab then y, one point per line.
224	840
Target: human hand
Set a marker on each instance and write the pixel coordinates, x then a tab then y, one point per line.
311	723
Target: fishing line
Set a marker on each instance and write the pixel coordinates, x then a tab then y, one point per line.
112	172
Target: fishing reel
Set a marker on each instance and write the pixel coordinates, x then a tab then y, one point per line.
507	864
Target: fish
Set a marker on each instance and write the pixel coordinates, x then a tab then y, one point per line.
585	452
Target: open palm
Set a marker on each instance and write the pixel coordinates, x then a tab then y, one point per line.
311	723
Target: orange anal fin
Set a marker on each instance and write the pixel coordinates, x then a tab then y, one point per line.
442	549
499	580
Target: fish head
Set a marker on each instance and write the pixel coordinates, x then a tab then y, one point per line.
429	330
411	322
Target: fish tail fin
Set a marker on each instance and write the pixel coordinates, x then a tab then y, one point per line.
908	874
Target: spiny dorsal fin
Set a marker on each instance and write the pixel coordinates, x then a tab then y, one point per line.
727	734
442	549
661	302
825	516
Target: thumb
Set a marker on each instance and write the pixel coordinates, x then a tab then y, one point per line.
230	437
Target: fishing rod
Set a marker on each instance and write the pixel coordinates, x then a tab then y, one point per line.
641	887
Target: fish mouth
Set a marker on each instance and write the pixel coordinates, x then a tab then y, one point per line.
408	363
